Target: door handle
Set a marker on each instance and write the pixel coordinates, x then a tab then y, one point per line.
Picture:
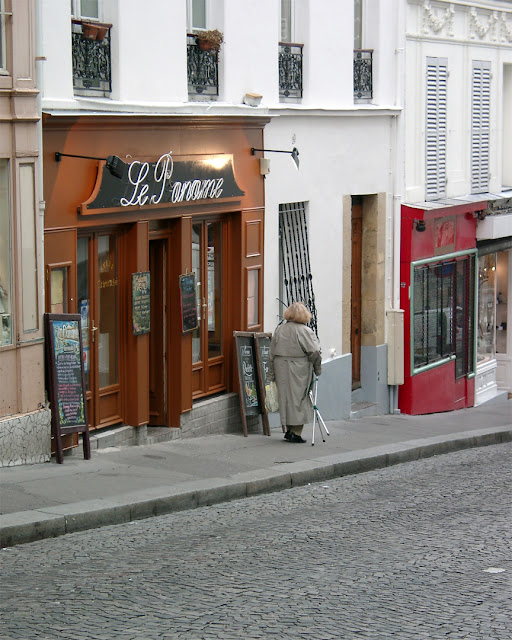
93	330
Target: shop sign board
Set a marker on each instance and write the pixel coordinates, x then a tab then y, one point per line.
250	378
66	379
169	180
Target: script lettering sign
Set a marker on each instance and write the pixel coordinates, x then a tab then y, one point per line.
169	180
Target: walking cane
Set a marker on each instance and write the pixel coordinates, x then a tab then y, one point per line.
316	412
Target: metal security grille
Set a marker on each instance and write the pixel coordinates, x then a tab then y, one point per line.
443	305
296	268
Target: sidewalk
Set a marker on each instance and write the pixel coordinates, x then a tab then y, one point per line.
130	483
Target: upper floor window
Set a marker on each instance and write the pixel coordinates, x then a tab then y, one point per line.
480	126
196	14
85	8
358	24
436	128
286	21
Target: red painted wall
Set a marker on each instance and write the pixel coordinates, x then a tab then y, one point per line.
447	230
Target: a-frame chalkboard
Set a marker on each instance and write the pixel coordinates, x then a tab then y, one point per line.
252	397
66	379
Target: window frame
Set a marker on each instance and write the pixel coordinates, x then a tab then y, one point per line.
472	256
76	11
191	28
288	20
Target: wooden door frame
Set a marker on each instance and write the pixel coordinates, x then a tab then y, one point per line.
356	289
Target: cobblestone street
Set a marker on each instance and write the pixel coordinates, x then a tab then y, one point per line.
419	550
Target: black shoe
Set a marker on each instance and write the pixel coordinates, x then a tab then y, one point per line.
288	435
295	438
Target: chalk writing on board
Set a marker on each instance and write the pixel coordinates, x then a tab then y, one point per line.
188	302
248	376
141	303
68	368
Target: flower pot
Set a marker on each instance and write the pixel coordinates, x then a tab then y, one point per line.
94	31
204	45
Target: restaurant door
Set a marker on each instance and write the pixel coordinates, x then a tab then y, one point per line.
98	305
208	353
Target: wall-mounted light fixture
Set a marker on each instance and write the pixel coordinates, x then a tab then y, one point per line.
480	215
114	164
294	153
420	225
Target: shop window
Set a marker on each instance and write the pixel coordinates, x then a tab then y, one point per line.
6	306
502	288
296	281
59	290
436	128
480	126
253	294
486	343
443	312
28	248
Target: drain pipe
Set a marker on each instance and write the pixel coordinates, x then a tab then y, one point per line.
39	85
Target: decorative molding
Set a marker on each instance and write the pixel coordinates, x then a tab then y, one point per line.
432	21
478	28
504	28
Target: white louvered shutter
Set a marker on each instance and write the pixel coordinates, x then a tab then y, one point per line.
480	126
435	139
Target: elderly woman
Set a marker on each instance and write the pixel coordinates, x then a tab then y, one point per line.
295	355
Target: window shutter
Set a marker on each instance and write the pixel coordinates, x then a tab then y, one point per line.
480	126
435	139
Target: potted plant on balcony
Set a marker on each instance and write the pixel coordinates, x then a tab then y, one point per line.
209	40
94	30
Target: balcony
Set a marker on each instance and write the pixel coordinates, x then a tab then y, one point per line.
363	74
202	69
290	70
90	47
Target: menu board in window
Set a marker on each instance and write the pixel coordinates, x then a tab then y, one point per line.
141	303
66	379
188	302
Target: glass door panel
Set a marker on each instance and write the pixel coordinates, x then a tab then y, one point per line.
108	311
196	268
214	292
84	304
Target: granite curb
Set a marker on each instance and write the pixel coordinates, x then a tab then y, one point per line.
29	526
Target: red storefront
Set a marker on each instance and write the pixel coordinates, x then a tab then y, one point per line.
437	294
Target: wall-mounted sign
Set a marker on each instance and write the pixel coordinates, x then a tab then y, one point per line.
188	302
167	181
141	303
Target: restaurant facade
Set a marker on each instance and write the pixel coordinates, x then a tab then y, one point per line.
136	207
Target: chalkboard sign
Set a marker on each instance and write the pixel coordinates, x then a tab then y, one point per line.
250	395
262	343
66	379
141	303
188	302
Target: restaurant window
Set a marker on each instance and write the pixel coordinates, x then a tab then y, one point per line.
5	257
443	312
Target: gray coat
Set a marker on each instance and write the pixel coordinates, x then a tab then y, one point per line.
294	355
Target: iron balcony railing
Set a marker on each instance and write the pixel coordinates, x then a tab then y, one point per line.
202	69
92	70
363	74
290	70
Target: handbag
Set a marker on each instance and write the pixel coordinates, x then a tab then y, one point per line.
271	398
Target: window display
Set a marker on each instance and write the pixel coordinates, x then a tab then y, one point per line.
486	341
